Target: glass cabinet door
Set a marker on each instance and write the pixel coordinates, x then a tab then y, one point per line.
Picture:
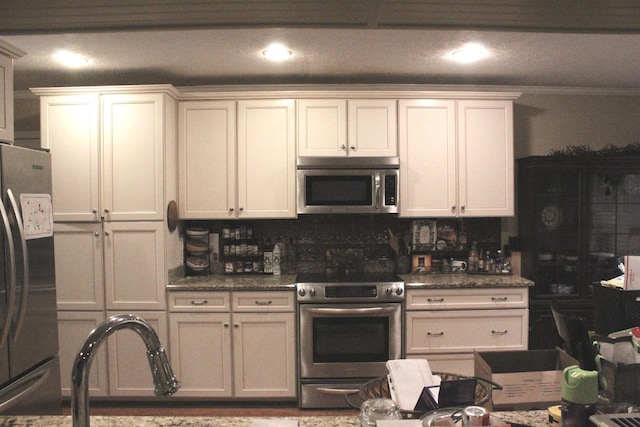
614	214
557	233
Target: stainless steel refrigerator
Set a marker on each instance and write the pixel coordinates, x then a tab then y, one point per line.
29	365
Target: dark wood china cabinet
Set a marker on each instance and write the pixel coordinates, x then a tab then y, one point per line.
576	214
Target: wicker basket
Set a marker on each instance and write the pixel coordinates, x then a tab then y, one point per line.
379	388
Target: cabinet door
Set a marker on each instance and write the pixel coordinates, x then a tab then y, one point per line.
485	141
201	353
372	128
322	127
6	98
458	331
69	127
133	156
129	371
264	354
428	175
73	329
134	265
79	267
207	148
266	159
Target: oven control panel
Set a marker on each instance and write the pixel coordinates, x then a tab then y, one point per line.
350	292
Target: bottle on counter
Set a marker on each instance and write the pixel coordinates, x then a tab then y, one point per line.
488	262
472	262
579	396
276	260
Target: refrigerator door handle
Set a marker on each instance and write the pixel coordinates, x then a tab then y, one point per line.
21	388
25	263
11	290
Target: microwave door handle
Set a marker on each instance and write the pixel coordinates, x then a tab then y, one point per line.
25	263
11	284
378	193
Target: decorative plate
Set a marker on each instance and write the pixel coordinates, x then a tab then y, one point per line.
172	215
631	184
551	216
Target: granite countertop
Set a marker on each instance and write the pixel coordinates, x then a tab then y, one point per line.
267	282
532	418
464	280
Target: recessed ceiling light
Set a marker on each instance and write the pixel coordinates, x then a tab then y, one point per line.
470	52
277	52
70	59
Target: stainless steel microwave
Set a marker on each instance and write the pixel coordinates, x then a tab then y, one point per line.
347	185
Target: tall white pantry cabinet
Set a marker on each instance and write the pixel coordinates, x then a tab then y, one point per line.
114	165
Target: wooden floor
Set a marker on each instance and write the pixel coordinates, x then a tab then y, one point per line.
200	409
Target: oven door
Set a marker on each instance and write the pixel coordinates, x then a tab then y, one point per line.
349	340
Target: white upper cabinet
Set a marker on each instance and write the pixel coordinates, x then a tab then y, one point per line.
7	54
354	127
70	129
266	159
428	176
237	165
456	158
207	159
485	138
107	153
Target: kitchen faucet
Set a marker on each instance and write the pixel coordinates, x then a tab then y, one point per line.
165	382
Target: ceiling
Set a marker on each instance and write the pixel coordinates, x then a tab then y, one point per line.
577	45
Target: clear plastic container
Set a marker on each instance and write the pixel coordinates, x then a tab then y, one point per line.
378	409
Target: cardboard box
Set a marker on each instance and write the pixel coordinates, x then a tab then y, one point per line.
530	379
632	273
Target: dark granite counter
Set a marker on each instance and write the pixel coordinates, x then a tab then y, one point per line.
268	282
223	282
532	418
464	280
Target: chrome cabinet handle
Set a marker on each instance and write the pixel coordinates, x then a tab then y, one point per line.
435	299
435	334
263	302
353	148
497	299
201	302
343	147
453	208
499	332
462	208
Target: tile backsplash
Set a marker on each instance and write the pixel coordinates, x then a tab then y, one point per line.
313	243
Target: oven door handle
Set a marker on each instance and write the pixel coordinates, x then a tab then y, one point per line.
352	311
338	391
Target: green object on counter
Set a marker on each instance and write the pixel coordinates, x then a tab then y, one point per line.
579	386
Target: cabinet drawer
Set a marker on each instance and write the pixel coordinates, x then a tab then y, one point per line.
263	301
452	299
457	331
199	301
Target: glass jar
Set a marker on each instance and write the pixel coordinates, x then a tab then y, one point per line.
378	409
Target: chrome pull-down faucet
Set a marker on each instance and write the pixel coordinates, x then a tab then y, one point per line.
165	382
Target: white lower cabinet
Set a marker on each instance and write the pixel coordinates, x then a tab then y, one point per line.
233	344
446	326
120	366
73	328
129	370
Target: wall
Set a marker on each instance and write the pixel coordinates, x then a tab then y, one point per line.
546	122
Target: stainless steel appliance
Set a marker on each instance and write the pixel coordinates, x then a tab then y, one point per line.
348	185
347	330
29	366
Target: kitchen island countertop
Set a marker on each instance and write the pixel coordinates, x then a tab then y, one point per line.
532	418
267	282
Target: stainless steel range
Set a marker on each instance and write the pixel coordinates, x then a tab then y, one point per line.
348	327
